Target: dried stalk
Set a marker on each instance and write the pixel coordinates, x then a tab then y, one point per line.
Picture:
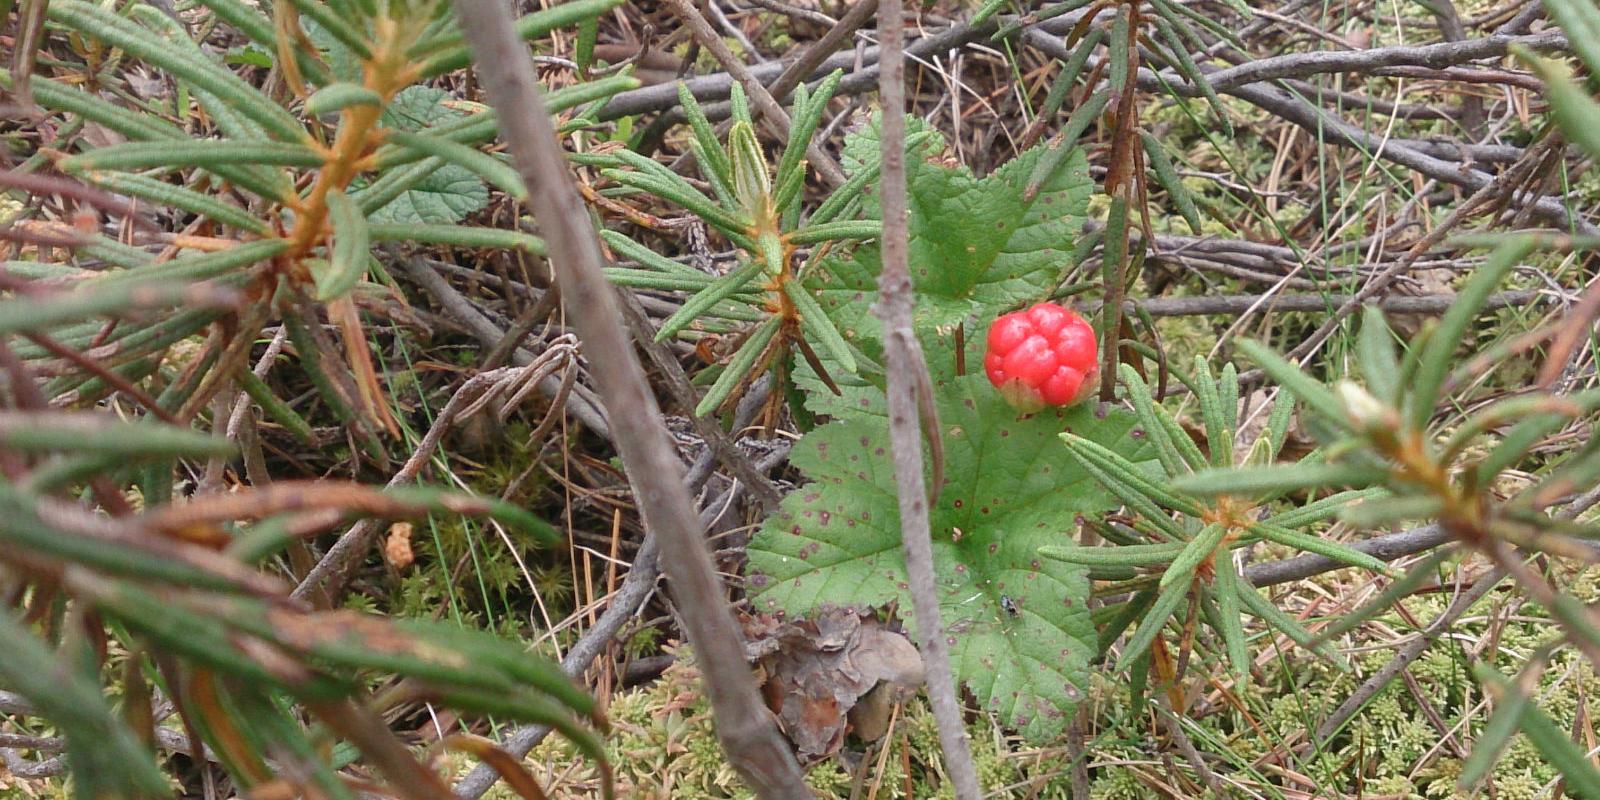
907	375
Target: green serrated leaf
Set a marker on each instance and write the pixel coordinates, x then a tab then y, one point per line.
1010	489
439	193
977	245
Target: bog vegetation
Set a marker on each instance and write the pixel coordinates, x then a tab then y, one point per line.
317	480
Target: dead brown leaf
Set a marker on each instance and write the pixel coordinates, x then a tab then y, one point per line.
819	669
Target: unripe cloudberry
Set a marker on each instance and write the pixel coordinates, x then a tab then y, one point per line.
1044	355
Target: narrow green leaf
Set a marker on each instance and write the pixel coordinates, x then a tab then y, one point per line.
103	753
702	302
1581	20
1323	547
1312	392
1159	435
52	431
1516	443
274	408
1275	618
1382	511
845	230
1581	777
789	189
491	169
249	21
1168	177
645	279
1230	616
339	96
1375	355
449	52
713	159
1276	479
171	276
1326	508
987	11
174	196
1047	13
1134	555
456	235
816	322
1129	475
719	187
1117	50
850	191
688	197
351	248
1167	603
807	116
1123	615
752	184
1218	436
199	153
311	362
738	106
1148	511
1493	740
338	27
91	300
1393	593
649	258
1203	546
1278	422
738	367
1228	396
1192	73
1062	85
1439	352
1062	144
129	123
185	63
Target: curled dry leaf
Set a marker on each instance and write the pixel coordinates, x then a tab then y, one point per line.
818	670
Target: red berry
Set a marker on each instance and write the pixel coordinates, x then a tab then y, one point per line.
1044	355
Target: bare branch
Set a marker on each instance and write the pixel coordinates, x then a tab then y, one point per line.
907	376
748	733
